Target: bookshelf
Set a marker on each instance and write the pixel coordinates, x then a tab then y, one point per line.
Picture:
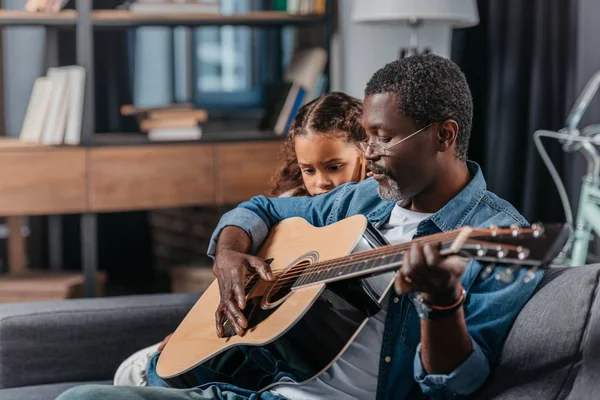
118	18
67	18
122	18
92	186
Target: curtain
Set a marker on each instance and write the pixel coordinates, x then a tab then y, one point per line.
520	62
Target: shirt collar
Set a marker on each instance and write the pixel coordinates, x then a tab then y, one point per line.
455	212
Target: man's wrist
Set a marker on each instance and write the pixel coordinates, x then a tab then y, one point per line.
443	299
233	238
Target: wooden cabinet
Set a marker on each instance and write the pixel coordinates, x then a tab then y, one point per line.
148	177
244	170
38	180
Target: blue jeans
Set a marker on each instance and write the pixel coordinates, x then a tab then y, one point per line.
248	366
211	392
203	388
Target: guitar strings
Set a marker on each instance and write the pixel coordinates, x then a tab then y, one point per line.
382	252
297	271
312	269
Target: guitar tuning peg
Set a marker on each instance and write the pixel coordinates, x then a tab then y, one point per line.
530	276
494	230
506	275
487	271
522	253
481	251
538	230
515	230
500	252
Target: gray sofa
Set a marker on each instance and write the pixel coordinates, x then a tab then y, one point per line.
552	351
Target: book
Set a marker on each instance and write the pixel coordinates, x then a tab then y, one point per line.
300	79
298	101
293	6
45	5
128	110
167	134
284	115
280	5
148	125
37	109
55	124
76	83
318	90
320	7
200	115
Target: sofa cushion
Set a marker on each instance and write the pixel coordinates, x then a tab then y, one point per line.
587	382
542	354
42	392
84	339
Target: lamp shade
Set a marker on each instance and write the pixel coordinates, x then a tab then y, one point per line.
457	13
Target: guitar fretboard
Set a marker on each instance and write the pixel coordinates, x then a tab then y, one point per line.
358	264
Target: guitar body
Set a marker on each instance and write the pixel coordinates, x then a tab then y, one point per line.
297	333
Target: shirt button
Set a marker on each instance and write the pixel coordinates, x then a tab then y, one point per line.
396	300
388	359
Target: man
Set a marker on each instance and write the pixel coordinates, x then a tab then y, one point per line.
417	113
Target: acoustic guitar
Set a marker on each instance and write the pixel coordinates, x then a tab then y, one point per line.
299	324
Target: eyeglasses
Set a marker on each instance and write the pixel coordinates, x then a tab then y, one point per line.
380	149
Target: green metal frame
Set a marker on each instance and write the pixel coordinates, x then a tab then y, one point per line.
588	220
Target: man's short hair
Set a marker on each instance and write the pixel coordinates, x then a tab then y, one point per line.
430	88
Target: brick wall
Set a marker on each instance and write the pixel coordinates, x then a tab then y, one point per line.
180	236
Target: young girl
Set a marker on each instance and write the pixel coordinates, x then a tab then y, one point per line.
322	152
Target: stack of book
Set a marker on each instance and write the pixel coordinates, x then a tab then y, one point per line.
55	108
45	5
301	7
171	123
175	7
304	81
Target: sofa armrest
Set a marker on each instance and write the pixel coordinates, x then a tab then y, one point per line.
83	339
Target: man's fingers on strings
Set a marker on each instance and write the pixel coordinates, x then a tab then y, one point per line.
262	268
401	285
220	319
240	296
432	255
237	314
233	320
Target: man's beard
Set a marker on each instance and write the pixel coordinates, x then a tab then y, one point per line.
391	191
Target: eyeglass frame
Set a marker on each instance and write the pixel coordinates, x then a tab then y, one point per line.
365	145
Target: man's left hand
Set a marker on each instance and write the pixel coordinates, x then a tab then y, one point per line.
437	278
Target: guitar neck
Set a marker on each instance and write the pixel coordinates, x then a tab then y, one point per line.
371	262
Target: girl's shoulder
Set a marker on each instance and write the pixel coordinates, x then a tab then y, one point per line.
291	192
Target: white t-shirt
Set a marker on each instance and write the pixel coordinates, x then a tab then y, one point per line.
354	375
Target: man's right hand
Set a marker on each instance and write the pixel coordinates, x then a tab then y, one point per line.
231	268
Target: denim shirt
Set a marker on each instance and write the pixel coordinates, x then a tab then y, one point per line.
490	306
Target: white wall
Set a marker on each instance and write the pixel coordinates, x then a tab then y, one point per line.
364	48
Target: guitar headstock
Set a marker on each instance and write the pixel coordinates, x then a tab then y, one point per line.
517	247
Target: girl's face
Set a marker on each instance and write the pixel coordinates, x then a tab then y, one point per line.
328	161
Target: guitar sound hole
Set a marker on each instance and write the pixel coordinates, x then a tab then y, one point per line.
281	289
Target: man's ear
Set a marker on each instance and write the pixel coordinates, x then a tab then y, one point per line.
447	133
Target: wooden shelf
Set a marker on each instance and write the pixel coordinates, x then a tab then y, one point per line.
26	18
139	139
121	18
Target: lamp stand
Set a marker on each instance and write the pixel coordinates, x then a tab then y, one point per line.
413	45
